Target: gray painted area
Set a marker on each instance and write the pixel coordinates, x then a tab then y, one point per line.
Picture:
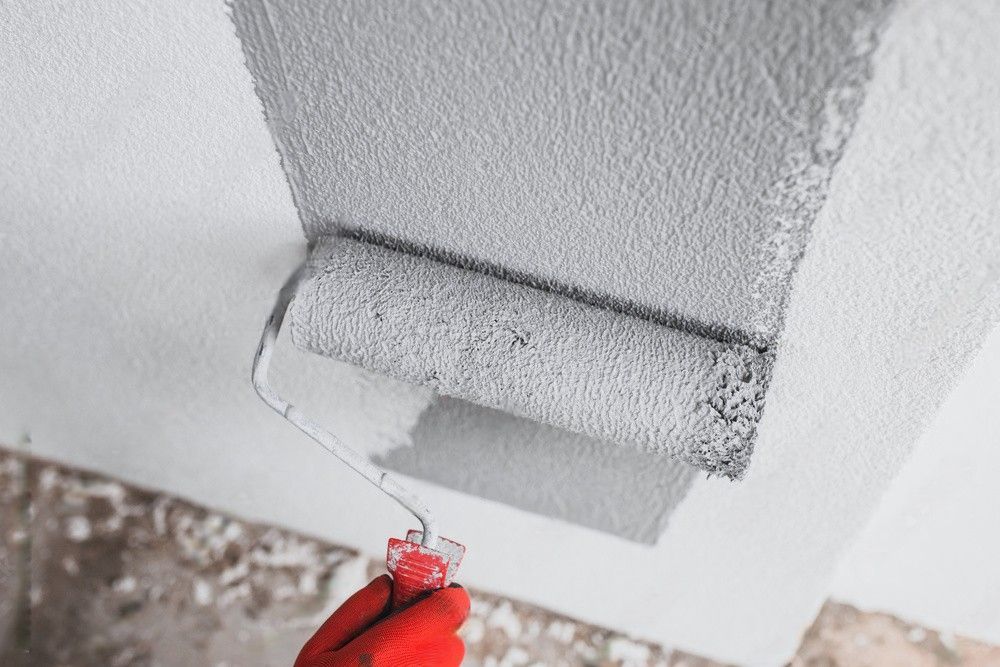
668	155
660	159
533	353
549	471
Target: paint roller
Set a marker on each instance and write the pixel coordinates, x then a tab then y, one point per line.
518	345
422	562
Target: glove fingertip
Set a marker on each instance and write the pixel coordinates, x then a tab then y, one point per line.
453	604
459	597
455	651
382	585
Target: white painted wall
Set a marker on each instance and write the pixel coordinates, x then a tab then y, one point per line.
930	552
146	227
146	224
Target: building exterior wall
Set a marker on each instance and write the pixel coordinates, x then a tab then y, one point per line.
147	224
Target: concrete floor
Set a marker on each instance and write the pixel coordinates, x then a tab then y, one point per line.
94	572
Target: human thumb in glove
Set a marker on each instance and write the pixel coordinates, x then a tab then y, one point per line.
364	631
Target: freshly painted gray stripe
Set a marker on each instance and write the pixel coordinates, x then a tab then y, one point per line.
492	454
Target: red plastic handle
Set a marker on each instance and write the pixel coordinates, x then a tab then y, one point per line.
415	569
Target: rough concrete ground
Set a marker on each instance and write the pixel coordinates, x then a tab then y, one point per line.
94	572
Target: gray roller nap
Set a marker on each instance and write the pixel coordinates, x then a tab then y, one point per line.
533	353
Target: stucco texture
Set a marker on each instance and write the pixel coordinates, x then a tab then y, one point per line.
610	151
666	155
642	151
147	225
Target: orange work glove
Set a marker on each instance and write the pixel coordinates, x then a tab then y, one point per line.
363	632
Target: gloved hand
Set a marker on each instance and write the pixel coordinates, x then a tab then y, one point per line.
362	632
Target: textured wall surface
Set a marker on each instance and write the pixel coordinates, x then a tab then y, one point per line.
670	155
620	490
146	226
932	547
663	159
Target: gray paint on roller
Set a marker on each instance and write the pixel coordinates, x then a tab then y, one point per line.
532	353
667	154
620	490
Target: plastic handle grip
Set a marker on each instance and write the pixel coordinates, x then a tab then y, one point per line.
416	569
